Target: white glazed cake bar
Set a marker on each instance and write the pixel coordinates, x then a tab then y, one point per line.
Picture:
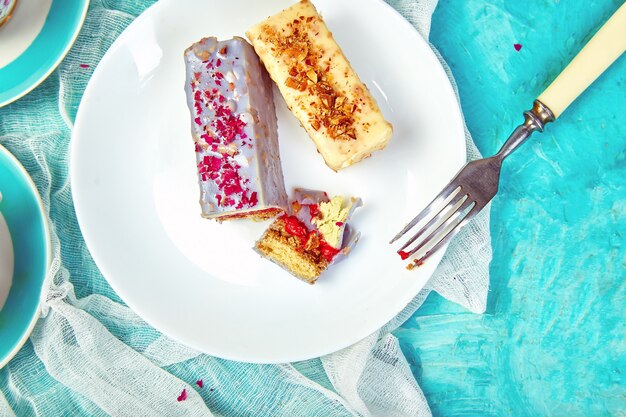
320	86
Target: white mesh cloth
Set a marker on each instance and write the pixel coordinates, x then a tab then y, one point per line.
92	355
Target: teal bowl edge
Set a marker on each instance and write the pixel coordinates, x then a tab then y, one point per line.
23	210
46	52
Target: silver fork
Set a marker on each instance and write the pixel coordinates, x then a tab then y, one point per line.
469	192
477	183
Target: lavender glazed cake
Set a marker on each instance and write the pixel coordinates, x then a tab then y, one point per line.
234	127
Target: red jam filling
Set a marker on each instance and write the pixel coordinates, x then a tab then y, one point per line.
328	252
295	227
313	210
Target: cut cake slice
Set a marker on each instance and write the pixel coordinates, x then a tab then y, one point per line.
313	236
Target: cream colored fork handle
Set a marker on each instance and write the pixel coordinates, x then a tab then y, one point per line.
599	53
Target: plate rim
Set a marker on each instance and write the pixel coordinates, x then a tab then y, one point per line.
28	87
47	253
405	301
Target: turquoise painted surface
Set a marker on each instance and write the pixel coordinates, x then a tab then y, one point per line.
552	341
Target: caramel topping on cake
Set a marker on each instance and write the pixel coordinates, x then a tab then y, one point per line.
320	86
307	72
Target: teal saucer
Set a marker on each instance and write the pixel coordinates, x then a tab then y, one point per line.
44	54
23	212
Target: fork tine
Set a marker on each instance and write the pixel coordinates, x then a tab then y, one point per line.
437	218
467	203
441	197
470	215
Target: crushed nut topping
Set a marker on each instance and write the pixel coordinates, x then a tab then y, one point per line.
308	73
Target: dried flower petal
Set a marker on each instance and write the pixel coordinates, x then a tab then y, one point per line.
182	396
200	383
517	46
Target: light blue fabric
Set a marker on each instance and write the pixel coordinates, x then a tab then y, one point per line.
552	340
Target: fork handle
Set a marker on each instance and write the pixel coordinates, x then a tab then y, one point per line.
600	52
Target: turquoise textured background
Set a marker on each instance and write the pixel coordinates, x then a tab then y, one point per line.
552	341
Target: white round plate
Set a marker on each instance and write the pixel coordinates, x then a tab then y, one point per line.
136	193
